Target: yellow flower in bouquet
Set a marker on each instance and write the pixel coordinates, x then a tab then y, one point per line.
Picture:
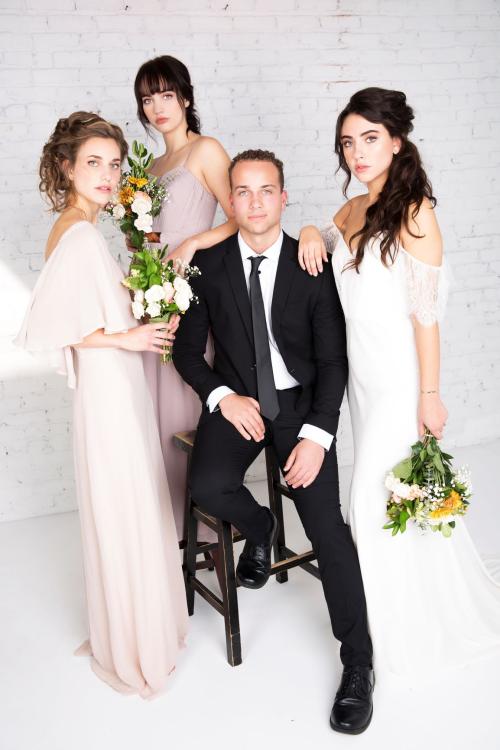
126	196
139	182
449	506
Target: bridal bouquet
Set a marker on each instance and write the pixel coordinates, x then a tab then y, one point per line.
138	200
427	490
158	291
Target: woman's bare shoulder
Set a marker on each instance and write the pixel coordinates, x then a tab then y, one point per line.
206	147
343	214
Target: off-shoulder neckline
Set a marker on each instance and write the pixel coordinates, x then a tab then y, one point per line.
408	254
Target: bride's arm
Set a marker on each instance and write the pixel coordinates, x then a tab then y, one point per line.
315	244
424	268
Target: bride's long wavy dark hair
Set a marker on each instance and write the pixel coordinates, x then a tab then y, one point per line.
407	184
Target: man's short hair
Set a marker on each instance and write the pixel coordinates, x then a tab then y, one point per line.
257	154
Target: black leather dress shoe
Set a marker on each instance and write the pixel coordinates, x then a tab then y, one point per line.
353	707
254	565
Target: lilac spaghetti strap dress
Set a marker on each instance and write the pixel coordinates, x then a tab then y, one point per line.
188	210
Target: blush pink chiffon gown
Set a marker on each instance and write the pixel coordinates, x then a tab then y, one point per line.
188	210
137	615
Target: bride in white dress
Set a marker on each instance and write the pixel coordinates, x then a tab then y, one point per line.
431	602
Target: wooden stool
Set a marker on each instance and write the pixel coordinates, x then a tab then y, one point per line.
284	557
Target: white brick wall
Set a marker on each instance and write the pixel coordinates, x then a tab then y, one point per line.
269	73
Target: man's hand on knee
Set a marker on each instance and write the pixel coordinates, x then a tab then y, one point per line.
304	463
244	413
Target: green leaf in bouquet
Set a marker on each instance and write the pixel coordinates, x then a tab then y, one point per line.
389	525
395	529
148	161
154	279
451	524
131	162
423	454
135	282
430	449
438	463
403	517
446	530
402	470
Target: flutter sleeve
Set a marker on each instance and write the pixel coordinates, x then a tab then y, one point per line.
427	289
77	293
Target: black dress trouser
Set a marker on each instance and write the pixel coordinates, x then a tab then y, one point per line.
221	457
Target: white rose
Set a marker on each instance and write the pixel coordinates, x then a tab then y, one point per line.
181	284
144	223
399	488
168	290
138	295
141	204
182	300
137	310
118	211
155	293
153	309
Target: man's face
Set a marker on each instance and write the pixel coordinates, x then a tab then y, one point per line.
257	199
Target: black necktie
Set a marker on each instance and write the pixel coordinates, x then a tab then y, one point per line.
268	398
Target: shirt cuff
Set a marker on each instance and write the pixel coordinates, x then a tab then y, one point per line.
316	434
216	395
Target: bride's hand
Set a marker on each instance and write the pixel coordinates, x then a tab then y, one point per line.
312	250
431	414
182	255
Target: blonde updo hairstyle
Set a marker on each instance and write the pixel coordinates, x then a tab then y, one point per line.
61	150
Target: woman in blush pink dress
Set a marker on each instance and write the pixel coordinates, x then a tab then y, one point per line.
194	169
80	317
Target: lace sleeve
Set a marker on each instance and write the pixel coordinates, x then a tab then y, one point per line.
330	236
427	289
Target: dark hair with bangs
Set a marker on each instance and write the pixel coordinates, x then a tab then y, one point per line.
166	73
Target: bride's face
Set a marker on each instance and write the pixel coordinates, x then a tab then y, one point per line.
96	171
368	147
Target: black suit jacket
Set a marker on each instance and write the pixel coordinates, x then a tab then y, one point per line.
307	322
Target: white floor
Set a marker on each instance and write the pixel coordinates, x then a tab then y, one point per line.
279	697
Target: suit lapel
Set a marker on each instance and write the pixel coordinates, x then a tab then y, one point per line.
287	267
236	275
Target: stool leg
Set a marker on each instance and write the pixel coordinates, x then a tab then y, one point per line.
276	505
229	595
208	557
190	557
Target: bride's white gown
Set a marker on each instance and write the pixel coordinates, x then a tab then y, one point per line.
431	603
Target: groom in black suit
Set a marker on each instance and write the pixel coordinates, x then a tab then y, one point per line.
278	379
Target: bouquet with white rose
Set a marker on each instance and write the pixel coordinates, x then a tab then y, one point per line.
158	291
427	490
138	200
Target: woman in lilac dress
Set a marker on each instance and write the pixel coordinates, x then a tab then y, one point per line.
194	169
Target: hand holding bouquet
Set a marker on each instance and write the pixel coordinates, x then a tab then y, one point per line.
427	490
138	200
158	291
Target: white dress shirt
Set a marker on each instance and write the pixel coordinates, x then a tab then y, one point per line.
282	378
